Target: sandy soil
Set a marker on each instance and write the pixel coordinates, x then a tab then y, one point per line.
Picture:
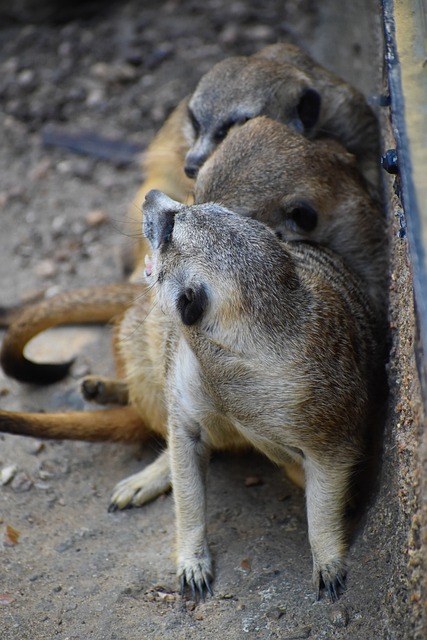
70	569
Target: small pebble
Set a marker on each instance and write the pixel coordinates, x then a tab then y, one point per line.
338	615
41	170
246	565
96	217
21	482
274	613
46	269
301	633
36	447
253	481
6	599
7	473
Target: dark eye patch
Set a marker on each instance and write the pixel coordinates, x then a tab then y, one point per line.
194	122
304	216
225	127
309	108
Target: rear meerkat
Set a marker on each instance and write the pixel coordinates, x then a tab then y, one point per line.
261	342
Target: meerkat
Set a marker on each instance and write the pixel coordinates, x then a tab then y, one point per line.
301	188
263	342
249	342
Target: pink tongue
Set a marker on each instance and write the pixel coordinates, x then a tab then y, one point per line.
148	266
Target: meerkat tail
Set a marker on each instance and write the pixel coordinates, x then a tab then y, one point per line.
9	315
92	305
110	425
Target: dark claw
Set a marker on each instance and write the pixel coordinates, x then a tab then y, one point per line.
198	589
112	507
332	591
193	589
341	582
209	588
201	588
333	587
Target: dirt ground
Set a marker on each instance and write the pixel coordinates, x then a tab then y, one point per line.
70	569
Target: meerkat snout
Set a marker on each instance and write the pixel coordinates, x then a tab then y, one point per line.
159	217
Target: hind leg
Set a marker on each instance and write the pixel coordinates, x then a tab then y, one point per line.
105	390
327	488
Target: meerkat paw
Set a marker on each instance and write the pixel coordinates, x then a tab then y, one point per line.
196	572
143	487
332	578
104	390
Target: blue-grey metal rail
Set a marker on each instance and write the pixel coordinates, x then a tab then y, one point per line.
405	27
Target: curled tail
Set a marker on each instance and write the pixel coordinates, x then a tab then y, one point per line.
91	305
110	425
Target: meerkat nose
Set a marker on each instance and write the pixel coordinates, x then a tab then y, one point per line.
191	170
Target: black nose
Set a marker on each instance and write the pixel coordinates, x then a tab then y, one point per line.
191	170
159	217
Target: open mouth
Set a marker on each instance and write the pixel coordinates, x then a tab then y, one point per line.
148	266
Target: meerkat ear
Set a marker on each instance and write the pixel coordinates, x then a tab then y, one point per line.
308	108
191	304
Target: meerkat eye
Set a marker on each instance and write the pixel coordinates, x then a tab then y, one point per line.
194	122
220	133
303	216
308	109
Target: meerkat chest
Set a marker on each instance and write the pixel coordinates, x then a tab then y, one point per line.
232	402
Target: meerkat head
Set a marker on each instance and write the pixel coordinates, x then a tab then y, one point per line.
303	190
241	88
212	267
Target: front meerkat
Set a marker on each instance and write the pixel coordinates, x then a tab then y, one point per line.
267	343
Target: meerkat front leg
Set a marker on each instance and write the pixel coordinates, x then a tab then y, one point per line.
327	487
189	461
143	487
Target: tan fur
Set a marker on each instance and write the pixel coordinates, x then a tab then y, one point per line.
285	375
